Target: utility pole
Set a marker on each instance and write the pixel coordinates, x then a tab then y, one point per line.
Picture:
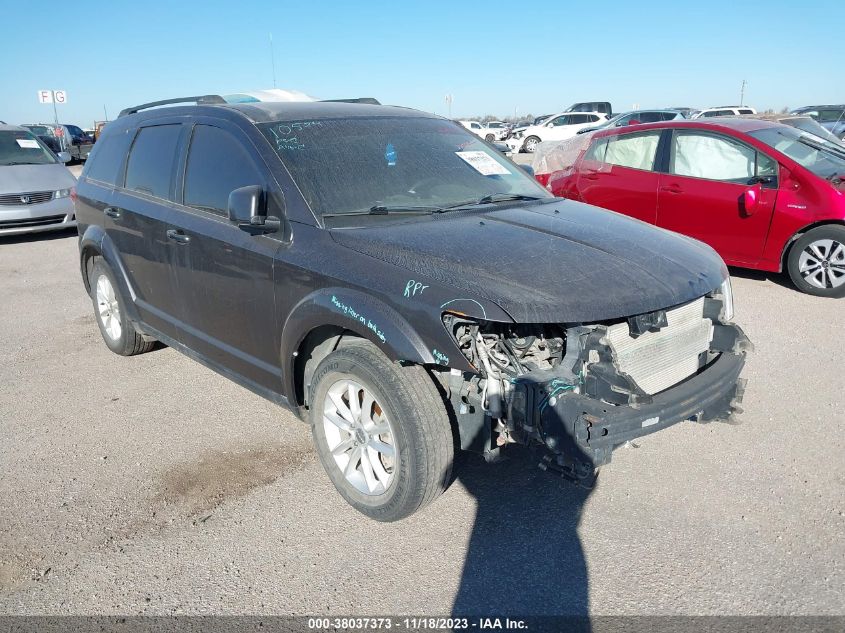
449	104
742	93
273	60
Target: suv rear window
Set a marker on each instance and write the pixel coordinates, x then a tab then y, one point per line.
151	160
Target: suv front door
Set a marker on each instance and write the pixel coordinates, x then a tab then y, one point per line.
702	193
223	274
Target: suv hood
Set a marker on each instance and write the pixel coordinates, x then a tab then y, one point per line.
560	262
29	178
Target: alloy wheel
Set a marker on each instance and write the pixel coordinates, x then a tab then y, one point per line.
822	264
360	437
108	309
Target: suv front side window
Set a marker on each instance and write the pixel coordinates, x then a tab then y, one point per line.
217	165
151	161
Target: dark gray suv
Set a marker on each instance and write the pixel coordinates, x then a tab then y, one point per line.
401	286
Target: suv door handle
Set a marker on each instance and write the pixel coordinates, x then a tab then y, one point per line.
672	189
178	236
112	212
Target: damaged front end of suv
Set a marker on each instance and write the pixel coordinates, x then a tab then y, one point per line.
583	389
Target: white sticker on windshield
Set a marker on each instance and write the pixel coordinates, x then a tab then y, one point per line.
483	163
27	143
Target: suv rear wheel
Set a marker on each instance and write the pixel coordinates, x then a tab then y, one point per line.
110	311
816	262
382	432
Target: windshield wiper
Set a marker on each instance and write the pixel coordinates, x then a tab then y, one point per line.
22	163
493	197
384	209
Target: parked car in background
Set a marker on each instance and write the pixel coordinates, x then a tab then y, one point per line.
35	187
764	195
45	135
709	113
831	117
495	130
71	139
800	122
602	107
556	128
635	117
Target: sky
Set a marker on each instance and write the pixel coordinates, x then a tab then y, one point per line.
493	57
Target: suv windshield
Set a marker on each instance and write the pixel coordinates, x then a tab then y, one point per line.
40	130
352	165
22	148
821	157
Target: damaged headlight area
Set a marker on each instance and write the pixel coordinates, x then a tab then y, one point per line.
581	390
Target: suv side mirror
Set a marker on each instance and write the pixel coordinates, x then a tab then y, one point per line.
63	156
528	169
248	209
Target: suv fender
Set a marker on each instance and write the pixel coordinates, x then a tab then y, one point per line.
95	242
354	311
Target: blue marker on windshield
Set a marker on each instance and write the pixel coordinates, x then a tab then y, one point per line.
390	155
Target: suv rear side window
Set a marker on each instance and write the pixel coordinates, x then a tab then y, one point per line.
106	161
151	160
217	165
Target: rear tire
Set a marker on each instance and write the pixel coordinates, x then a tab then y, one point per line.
490	138
119	334
381	431
816	262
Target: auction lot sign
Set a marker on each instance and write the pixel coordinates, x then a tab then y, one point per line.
52	96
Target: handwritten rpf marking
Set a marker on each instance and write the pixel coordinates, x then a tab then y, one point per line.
413	288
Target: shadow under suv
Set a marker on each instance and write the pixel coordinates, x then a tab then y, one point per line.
400	285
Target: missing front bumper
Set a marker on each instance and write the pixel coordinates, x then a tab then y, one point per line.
581	432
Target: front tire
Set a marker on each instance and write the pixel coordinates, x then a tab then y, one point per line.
490	138
381	431
816	262
118	332
531	143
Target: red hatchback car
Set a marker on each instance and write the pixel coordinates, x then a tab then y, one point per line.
764	195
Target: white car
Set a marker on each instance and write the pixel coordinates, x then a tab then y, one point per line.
723	111
491	131
556	128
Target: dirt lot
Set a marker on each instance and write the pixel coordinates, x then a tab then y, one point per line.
153	485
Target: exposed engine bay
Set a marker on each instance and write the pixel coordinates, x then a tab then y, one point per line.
580	390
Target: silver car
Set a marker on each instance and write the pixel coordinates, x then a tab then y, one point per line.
35	186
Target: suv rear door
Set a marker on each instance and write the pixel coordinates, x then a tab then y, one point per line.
701	195
617	173
135	220
225	275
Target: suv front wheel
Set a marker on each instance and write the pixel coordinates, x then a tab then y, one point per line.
381	431
110	311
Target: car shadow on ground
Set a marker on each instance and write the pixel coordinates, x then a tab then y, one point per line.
781	279
45	236
524	555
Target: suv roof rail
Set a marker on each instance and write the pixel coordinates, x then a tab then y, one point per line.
199	100
367	100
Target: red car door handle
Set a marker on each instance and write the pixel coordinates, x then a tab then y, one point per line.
672	189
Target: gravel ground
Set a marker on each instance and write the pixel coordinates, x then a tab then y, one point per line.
152	485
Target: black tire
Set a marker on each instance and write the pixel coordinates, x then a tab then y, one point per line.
525	145
421	432
835	260
128	342
490	138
